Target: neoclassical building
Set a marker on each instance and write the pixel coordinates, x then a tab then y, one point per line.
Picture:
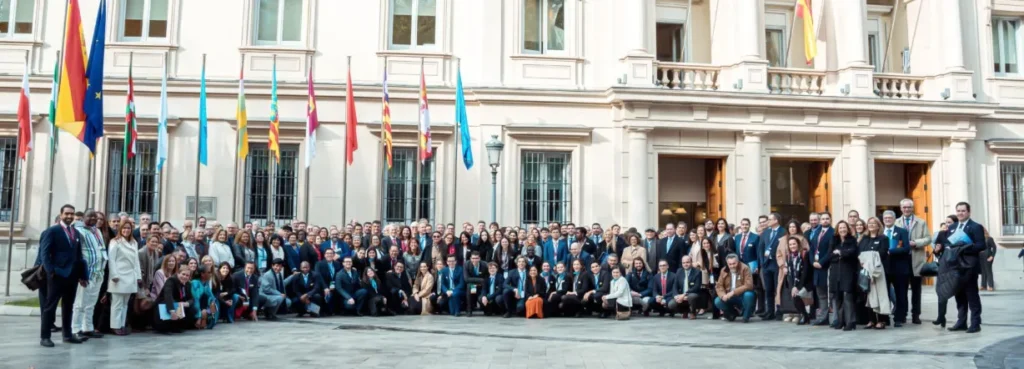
636	112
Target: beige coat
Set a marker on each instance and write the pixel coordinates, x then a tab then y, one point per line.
878	296
919	235
781	253
633	252
423	287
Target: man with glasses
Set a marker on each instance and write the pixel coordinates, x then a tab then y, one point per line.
919	240
662	286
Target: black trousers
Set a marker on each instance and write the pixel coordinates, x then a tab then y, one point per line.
987	279
770	280
846	311
759	293
915	297
188	322
966	298
42	299
899	284
571	305
495	304
59	289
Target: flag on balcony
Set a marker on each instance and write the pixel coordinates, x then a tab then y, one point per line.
462	122
386	122
71	88
312	122
24	118
130	132
93	103
242	118
351	139
803	10
425	143
161	129
274	136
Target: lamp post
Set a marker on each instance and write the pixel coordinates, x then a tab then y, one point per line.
494	147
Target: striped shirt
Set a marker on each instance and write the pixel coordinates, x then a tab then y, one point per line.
93	250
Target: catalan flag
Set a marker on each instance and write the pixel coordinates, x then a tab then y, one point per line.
274	136
386	123
351	137
803	10
242	118
425	144
71	90
312	121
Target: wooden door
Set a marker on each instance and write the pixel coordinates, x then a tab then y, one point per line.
918	189
715	188
821	186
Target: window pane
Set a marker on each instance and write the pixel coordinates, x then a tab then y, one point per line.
292	20
401	22
23	17
286	184
257	184
556	25
773	46
266	29
546	189
1012	176
1010	57
133	188
5	17
670	42
133	15
8	178
873	52
157	18
400	188
531	25
426	22
997	52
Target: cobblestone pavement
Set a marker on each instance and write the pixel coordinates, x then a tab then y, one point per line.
585	343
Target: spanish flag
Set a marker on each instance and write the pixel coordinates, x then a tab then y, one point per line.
803	10
70	114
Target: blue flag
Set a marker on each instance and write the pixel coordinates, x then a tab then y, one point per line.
462	121
92	105
202	115
161	130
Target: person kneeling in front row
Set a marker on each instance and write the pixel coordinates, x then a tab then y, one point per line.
688	296
305	292
735	290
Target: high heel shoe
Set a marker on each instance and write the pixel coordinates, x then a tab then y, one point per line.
939	322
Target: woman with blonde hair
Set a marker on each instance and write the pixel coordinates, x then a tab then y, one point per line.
125	275
219	249
874	260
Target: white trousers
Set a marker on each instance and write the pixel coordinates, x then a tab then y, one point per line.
119	309
85	303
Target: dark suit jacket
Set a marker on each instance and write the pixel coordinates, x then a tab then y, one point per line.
324	272
297	287
604	283
307	254
584	257
512	281
670	285
346	284
499	287
246	287
639	282
63	256
900	262
747	252
452	280
767	246
823	251
475	275
398	283
537	286
553	285
673	255
583	283
970	253
683	285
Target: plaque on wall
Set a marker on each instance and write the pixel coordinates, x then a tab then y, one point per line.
207	207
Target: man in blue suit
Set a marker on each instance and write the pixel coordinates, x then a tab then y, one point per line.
346	282
556	249
769	243
515	289
453	286
746	249
60	250
900	267
327	269
967	297
491	292
671	248
821	254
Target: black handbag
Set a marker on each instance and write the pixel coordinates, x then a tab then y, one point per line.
864	281
930	269
34	278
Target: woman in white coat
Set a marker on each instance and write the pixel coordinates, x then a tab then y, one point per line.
618	297
125	275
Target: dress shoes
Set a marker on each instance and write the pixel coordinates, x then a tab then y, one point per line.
974	329
821	322
93	334
73	340
850	328
45	342
507	315
898	325
916	320
81	337
940	322
55	329
959	326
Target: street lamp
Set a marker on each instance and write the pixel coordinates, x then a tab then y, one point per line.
494	147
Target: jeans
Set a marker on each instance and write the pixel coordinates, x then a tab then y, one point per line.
745	302
228	311
85	303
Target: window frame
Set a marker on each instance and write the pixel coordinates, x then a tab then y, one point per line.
9	147
681	58
413	27
998	55
146	19
406	156
12	23
1011	209
544	30
115	167
279	39
544	185
272	197
784	63
875	28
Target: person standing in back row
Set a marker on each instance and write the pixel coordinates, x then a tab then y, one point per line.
919	239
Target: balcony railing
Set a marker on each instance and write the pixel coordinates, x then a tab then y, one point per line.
688	76
898	86
789	81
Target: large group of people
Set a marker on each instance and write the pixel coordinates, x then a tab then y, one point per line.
124	277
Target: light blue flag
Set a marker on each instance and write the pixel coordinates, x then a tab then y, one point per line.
462	120
161	135
202	116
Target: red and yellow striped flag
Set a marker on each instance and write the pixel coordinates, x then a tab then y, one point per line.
803	10
71	90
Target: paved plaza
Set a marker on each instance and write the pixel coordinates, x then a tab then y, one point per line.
585	343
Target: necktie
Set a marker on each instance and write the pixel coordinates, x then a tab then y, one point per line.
668	244
280	285
686	276
820	235
772	238
522	278
743	242
888	233
906	221
663	284
331	266
71	235
451	279
492	286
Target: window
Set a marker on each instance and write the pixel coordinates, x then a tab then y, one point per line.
1004	44
135	188
413	23
543	26
1012	181
16	17
271	187
144	19
775	47
546	188
10	179
671	45
400	188
279	22
874	56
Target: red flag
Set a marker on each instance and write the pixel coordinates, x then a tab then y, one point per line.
351	140
24	119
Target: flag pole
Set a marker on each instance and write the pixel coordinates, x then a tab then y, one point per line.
124	149
270	162
419	148
238	138
792	25
458	138
88	181
53	145
383	159
309	142
344	166
199	156
14	208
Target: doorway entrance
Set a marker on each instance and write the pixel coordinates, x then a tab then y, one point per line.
690	189
799	187
895	181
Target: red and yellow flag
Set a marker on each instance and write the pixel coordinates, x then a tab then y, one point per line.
803	10
71	89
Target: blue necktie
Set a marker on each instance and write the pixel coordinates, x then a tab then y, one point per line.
522	280
451	279
492	286
331	265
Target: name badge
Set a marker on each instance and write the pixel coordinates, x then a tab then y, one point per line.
472	289
767	253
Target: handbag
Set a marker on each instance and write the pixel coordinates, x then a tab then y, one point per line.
864	281
805	295
930	269
34	278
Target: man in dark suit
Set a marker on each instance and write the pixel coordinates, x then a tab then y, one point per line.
60	250
769	243
476	274
305	290
247	286
453	286
556	248
900	268
967	297
399	289
662	286
576	253
514	295
671	248
491	300
346	283
821	258
326	270
602	286
687	295
588	244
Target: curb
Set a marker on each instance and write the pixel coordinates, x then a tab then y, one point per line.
23	311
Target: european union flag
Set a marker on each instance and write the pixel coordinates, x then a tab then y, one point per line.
93	103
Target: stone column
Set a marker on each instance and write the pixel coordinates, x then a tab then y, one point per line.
855	74
954	76
637	63
739	37
956	171
638	195
857	171
752	169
